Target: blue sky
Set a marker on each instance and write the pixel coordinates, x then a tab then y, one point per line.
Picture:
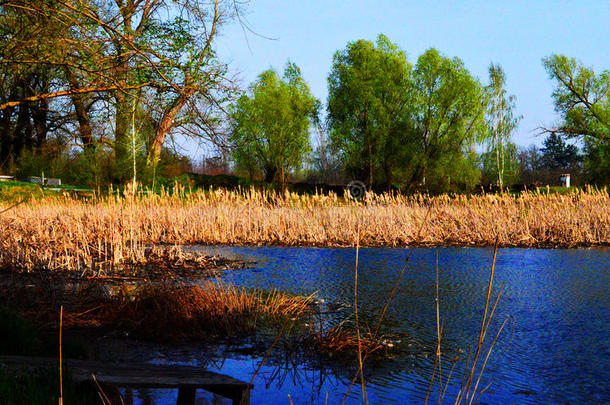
516	34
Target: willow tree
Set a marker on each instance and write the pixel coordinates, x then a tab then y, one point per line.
448	107
368	100
395	123
270	123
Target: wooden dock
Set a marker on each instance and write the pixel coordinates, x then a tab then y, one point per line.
185	379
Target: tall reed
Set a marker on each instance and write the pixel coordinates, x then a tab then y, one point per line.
62	232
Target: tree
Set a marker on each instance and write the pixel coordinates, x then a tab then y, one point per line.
369	86
24	127
529	164
394	123
597	161
509	169
501	123
270	123
582	98
557	154
107	53
448	118
324	166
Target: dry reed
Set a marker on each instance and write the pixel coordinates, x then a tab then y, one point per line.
173	312
212	308
64	233
341	342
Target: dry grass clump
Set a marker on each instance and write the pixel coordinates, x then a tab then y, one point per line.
190	311
166	312
64	233
339	341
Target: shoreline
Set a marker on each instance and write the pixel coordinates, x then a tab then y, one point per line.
61	233
550	246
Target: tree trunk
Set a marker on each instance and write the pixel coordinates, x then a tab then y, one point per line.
166	124
23	130
388	176
6	135
270	173
121	139
78	101
39	117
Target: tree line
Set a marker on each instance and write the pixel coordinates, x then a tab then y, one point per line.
428	125
102	91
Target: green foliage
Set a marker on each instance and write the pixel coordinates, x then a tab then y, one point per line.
270	124
449	113
403	126
558	155
368	97
92	167
597	161
511	166
501	122
582	98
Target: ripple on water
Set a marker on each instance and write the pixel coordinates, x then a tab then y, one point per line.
556	349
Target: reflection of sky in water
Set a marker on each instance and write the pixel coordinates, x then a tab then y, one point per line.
556	350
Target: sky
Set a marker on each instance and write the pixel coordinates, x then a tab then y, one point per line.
516	34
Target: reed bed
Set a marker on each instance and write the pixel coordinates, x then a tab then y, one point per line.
67	233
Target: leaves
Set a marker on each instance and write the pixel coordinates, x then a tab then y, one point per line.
394	123
581	97
270	124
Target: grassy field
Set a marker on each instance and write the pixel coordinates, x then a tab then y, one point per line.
64	232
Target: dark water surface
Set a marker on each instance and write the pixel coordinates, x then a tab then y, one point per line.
554	350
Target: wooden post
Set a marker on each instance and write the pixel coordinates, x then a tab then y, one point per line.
186	396
245	398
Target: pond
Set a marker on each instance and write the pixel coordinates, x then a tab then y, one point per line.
555	348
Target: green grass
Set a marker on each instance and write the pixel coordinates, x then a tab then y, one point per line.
18	190
19	337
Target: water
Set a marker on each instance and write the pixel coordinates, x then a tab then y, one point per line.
555	348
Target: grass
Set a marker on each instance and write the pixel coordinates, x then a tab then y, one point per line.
60	232
42	388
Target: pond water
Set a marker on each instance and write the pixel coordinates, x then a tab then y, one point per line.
555	348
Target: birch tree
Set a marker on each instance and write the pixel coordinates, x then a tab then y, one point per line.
501	120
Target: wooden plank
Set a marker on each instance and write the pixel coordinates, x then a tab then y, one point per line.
186	378
186	396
